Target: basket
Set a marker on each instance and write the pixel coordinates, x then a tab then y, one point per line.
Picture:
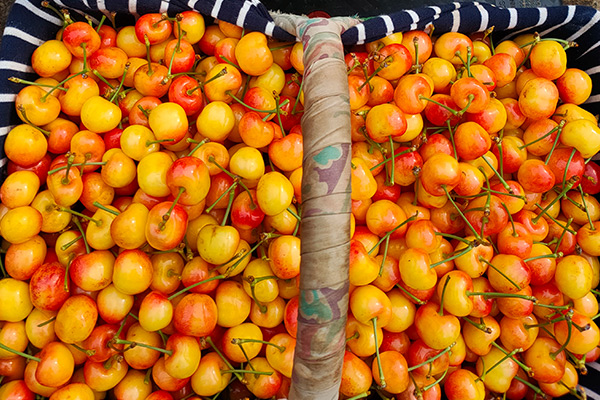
326	159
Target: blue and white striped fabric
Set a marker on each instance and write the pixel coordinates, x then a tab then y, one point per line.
29	25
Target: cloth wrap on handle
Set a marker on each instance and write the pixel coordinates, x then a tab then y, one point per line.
29	25
325	209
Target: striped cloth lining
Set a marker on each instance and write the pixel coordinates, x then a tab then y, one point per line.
29	25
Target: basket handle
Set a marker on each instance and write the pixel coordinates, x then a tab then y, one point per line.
325	209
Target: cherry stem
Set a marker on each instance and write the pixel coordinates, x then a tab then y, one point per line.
68	166
19	353
82	72
101	23
229	205
567	187
85	242
230	188
512	222
530	385
103	79
589	217
246	356
432	359
562	235
88	353
167	215
473	196
559	131
531	326
62	15
294	214
228	61
354	336
297	97
481	259
506	357
451	236
580	328
502	295
272	111
553	255
360	396
371	142
65	209
486	211
238	341
135	344
147	43
519	363
388	234
177	49
500	152
122	325
145	112
238	179
455	256
245	371
536	39
198	144
409	294
208	340
116	92
394	155
573	391
115	358
187	288
23	112
557	222
355	64
554	354
467	63
564	180
385	251
570	200
470	98
441	311
452	139
383	65
500	177
418	392
461	213
284	46
49	321
278	110
151	142
432	384
25	82
104	208
148	376
382	383
253	281
451	110
391	180
578	363
416	66
481	326
556	128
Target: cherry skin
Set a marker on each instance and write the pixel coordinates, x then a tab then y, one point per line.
356	376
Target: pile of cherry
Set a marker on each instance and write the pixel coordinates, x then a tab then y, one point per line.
152	208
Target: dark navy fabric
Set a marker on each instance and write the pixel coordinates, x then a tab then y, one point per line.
29	24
